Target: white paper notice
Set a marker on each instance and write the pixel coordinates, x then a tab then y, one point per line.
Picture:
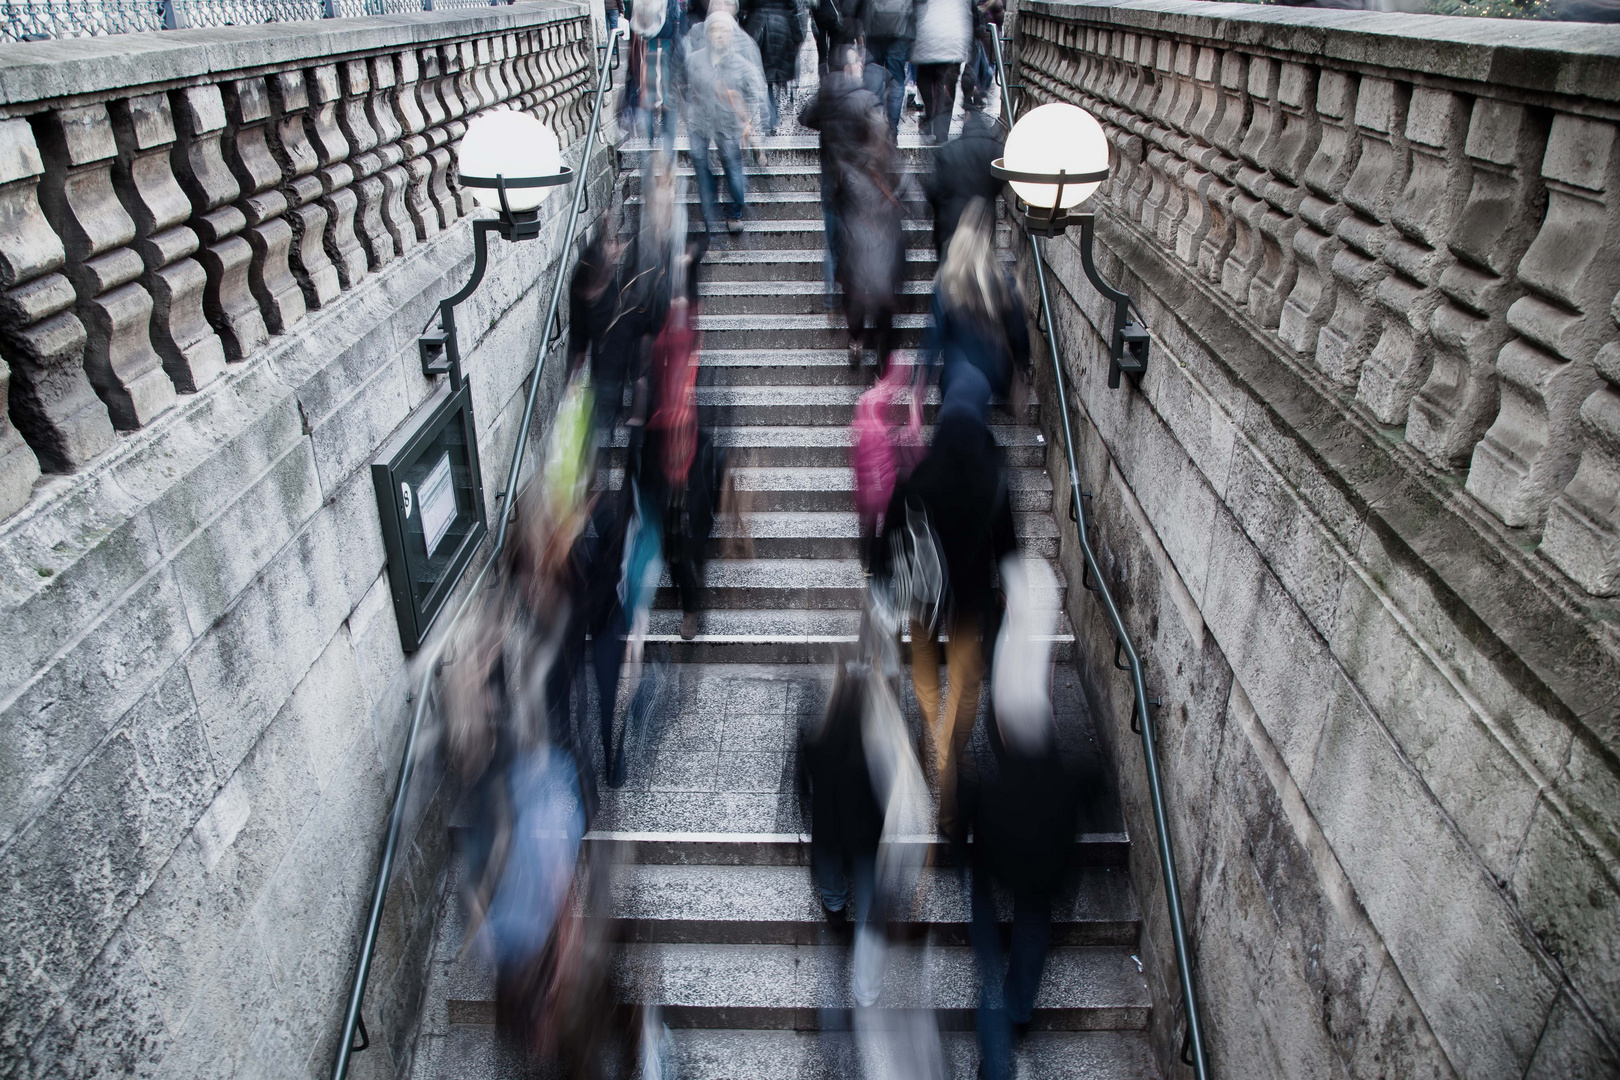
437	499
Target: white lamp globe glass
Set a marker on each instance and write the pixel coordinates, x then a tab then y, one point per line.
1053	138
514	145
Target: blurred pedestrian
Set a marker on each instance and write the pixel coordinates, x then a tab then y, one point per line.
594	296
871	252
977	328
833	23
657	26
961	173
778	30
1023	816
844	816
726	96
987	19
889	26
943	36
841	110
953	510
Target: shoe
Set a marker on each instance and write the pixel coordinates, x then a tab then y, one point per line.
734	226
689	626
835	916
855	356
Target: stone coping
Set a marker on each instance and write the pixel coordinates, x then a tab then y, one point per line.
35	72
1580	59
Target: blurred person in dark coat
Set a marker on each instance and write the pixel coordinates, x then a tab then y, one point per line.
841	110
871	252
845	819
778	30
962	173
961	488
1023	816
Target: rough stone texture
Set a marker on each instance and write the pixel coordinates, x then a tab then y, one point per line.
1389	729
203	696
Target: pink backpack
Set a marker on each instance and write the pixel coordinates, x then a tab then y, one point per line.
882	450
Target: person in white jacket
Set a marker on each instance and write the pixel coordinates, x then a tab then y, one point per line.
941	47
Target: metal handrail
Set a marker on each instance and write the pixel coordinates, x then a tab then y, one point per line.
1141	704
431	657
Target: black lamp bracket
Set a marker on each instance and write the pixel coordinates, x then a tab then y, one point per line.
438	348
1129	342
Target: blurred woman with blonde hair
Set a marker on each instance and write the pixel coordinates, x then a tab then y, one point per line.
977	331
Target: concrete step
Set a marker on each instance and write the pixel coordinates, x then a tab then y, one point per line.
774	178
480	1051
725	263
820	406
762	847
809	584
821	330
829	445
834	534
779	905
775	636
792	297
781	151
788	367
776	234
765	201
803	987
833	488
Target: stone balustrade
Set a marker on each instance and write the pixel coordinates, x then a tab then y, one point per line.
169	214
1432	227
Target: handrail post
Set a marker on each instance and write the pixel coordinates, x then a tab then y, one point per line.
1167	854
430	661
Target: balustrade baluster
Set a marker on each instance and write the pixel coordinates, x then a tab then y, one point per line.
1497	223
1278	219
368	186
1223	168
1583	527
1248	198
50	401
1437	184
1370	193
340	200
417	146
247	108
1571	272
289	142
1202	155
438	136
384	118
143	174
78	198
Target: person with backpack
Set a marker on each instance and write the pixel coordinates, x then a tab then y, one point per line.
833	23
889	27
953	511
977	329
871	250
944	32
777	29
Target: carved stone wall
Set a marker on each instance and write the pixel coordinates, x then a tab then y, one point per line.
1363	512
222	244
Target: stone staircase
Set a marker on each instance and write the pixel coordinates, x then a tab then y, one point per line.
720	923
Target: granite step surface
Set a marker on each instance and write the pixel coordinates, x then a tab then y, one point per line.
806	263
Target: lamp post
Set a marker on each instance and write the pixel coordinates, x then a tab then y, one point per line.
1055	157
506	159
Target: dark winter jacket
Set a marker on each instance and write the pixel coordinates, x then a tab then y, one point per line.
961	486
843	811
962	174
775	27
961	340
841	110
1023	820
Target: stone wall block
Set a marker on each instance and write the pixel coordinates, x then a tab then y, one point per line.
1379	176
77	194
299	161
1423	216
367	161
1279	219
143	175
51	404
1315	242
1248	201
343	248
263	203
1583	527
199	162
1498	220
1571	273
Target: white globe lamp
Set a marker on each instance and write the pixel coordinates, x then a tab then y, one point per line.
1059	141
508	159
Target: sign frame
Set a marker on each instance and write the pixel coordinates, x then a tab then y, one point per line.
441	428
